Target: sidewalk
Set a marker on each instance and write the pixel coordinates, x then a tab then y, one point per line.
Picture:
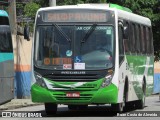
18	103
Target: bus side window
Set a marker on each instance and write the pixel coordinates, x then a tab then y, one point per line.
133	38
147	41
151	41
143	39
121	50
126	40
137	38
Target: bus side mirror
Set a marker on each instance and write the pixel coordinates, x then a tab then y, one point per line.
26	32
125	32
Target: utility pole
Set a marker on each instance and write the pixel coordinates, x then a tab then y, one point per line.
13	27
52	3
12	16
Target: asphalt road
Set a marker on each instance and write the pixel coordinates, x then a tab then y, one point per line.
98	112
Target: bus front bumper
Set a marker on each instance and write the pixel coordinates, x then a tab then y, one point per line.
104	95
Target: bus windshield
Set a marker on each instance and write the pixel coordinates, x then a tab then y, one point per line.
76	47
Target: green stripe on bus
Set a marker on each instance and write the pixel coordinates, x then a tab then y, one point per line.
119	7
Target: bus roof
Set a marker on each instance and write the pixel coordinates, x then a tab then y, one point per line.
122	12
134	18
3	13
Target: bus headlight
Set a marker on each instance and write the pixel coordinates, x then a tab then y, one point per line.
107	81
39	80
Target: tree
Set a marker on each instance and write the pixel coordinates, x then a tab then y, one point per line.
30	9
42	3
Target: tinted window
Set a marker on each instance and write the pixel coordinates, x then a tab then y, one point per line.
151	41
134	37
148	41
143	39
137	35
4	20
121	50
5	39
126	41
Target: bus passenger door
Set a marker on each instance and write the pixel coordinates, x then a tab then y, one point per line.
121	45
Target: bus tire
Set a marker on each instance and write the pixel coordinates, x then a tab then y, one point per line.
120	107
140	104
117	107
50	108
129	105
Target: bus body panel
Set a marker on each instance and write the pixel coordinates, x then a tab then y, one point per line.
6	78
100	96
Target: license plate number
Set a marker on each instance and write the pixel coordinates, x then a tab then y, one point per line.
75	94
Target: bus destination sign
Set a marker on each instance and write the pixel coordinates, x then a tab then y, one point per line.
75	16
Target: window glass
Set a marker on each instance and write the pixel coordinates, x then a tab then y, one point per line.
143	39
137	35
151	41
121	50
4	20
133	38
126	41
5	39
75	47
147	40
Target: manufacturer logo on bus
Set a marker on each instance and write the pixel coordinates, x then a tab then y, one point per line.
73	72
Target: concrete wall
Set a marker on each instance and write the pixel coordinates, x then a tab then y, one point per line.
22	61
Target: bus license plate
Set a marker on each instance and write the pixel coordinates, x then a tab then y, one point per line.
74	94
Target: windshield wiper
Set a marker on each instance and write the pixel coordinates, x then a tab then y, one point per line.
62	33
89	32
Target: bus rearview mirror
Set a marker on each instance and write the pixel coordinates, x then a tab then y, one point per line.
26	32
125	32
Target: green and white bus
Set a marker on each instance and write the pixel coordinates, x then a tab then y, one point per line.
91	54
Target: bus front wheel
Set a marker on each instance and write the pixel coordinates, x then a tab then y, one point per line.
50	108
118	107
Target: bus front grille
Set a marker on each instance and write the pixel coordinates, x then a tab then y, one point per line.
74	78
61	97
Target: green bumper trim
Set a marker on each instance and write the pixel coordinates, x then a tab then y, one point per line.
104	95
